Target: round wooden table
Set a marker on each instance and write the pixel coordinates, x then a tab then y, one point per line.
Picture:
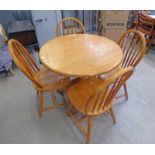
81	55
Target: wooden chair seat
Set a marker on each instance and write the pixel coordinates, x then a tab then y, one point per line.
93	96
43	80
50	80
79	99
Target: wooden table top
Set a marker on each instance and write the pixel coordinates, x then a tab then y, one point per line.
81	55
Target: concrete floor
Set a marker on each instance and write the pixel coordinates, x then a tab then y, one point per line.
19	122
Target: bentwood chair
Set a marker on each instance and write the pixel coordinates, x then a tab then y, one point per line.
133	45
146	25
66	26
43	80
69	25
94	96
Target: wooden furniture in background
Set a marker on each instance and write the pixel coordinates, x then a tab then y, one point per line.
69	25
23	31
94	96
99	28
134	18
133	45
43	80
147	26
81	55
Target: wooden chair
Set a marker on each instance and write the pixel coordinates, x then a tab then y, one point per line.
43	80
69	25
133	45
134	18
147	26
94	96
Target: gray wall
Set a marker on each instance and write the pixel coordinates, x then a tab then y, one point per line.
6	16
13	15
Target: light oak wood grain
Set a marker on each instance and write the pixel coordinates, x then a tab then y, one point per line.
43	80
81	55
133	45
93	96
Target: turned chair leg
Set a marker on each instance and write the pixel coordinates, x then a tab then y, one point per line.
125	89
148	48
69	109
54	101
89	129
11	71
150	43
112	115
40	103
37	92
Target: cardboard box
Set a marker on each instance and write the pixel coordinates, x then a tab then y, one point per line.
114	18
113	33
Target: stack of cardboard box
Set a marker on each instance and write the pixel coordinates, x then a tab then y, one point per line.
114	23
